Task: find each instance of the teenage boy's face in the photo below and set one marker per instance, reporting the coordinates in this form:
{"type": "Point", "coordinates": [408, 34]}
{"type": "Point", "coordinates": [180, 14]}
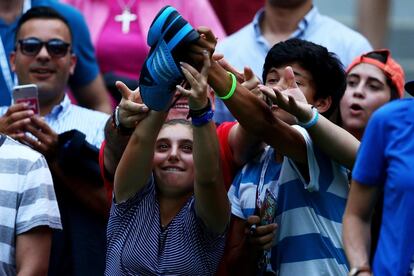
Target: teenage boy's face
{"type": "Point", "coordinates": [304, 80]}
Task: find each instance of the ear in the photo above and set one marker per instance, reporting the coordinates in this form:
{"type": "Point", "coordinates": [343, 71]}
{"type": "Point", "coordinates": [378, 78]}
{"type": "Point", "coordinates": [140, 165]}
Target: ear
{"type": "Point", "coordinates": [73, 60]}
{"type": "Point", "coordinates": [323, 104]}
{"type": "Point", "coordinates": [13, 61]}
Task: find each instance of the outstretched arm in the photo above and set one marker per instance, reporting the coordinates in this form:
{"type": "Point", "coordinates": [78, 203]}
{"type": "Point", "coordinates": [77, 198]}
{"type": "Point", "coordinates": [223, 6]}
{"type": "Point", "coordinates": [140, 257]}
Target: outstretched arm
{"type": "Point", "coordinates": [257, 118]}
{"type": "Point", "coordinates": [135, 166]}
{"type": "Point", "coordinates": [335, 141]}
{"type": "Point", "coordinates": [243, 144]}
{"type": "Point", "coordinates": [211, 200]}
{"type": "Point", "coordinates": [251, 112]}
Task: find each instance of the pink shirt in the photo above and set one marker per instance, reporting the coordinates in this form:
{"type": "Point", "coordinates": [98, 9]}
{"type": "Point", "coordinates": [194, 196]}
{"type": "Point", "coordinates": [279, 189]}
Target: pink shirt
{"type": "Point", "coordinates": [121, 53]}
{"type": "Point", "coordinates": [99, 16]}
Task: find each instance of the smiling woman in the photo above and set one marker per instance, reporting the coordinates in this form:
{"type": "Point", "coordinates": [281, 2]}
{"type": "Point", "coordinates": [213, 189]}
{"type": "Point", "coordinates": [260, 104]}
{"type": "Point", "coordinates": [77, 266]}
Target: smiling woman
{"type": "Point", "coordinates": [170, 209]}
{"type": "Point", "coordinates": [173, 158]}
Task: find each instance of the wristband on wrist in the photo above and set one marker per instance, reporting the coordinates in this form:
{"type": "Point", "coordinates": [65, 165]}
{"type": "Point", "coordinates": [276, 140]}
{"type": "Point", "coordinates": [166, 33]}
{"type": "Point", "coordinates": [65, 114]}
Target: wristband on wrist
{"type": "Point", "coordinates": [117, 124]}
{"type": "Point", "coordinates": [198, 112]}
{"type": "Point", "coordinates": [202, 120]}
{"type": "Point", "coordinates": [232, 89]}
{"type": "Point", "coordinates": [202, 116]}
{"type": "Point", "coordinates": [312, 121]}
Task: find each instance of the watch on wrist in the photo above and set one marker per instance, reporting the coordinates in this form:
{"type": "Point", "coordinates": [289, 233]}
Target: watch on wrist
{"type": "Point", "coordinates": [117, 124]}
{"type": "Point", "coordinates": [356, 270]}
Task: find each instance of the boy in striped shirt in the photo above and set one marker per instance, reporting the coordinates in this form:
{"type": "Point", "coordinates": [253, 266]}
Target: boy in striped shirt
{"type": "Point", "coordinates": [311, 189]}
{"type": "Point", "coordinates": [28, 210]}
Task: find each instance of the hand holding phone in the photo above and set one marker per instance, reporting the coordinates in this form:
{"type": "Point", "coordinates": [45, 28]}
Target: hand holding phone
{"type": "Point", "coordinates": [27, 94]}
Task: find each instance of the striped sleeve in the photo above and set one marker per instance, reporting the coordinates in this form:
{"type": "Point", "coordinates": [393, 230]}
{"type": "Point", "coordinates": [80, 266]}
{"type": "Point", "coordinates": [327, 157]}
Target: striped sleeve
{"type": "Point", "coordinates": [36, 200]}
{"type": "Point", "coordinates": [234, 197]}
{"type": "Point", "coordinates": [313, 184]}
{"type": "Point", "coordinates": [27, 197]}
{"type": "Point", "coordinates": [27, 187]}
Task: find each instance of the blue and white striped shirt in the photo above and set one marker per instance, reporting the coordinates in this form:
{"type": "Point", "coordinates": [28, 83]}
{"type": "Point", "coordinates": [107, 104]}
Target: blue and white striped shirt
{"type": "Point", "coordinates": [67, 116]}
{"type": "Point", "coordinates": [257, 175]}
{"type": "Point", "coordinates": [309, 214]}
{"type": "Point", "coordinates": [137, 244]}
{"type": "Point", "coordinates": [27, 198]}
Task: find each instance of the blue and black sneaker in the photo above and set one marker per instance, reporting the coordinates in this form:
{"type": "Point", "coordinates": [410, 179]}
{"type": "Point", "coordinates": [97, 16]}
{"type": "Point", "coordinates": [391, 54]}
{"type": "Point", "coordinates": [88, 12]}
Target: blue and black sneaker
{"type": "Point", "coordinates": [167, 36]}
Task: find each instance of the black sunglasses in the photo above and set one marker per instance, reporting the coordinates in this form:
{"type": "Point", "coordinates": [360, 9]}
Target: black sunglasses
{"type": "Point", "coordinates": [55, 47]}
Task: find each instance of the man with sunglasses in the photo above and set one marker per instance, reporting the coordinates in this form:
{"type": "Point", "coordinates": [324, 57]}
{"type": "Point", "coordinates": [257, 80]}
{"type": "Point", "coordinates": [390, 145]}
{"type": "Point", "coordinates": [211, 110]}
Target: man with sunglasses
{"type": "Point", "coordinates": [86, 83]}
{"type": "Point", "coordinates": [43, 56]}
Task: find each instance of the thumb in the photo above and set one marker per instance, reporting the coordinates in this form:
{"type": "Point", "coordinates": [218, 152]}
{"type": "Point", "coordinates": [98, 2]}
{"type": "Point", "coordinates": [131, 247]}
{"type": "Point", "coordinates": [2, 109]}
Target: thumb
{"type": "Point", "coordinates": [123, 89]}
{"type": "Point", "coordinates": [289, 77]}
{"type": "Point", "coordinates": [253, 220]}
{"type": "Point", "coordinates": [248, 73]}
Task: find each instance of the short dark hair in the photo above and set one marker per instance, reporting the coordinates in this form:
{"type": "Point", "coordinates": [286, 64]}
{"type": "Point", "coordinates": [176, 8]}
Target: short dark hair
{"type": "Point", "coordinates": [173, 122]}
{"type": "Point", "coordinates": [382, 57]}
{"type": "Point", "coordinates": [41, 12]}
{"type": "Point", "coordinates": [326, 70]}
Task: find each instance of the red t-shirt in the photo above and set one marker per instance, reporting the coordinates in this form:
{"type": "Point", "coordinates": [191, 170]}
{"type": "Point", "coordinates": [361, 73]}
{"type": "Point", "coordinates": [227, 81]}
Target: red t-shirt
{"type": "Point", "coordinates": [228, 167]}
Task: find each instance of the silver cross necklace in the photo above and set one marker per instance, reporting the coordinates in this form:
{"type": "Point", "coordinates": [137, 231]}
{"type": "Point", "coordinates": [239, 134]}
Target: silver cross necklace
{"type": "Point", "coordinates": [126, 17]}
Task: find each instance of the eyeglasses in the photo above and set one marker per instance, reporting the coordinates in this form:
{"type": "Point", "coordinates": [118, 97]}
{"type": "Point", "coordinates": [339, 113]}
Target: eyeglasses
{"type": "Point", "coordinates": [55, 47]}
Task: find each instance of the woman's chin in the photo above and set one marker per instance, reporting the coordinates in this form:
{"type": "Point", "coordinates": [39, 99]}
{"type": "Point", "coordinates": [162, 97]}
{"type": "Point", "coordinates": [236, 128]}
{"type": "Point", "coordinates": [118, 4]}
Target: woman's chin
{"type": "Point", "coordinates": [171, 187]}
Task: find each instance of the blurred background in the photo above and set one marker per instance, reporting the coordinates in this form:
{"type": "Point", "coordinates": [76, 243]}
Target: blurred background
{"type": "Point", "coordinates": [398, 36]}
{"type": "Point", "coordinates": [386, 23]}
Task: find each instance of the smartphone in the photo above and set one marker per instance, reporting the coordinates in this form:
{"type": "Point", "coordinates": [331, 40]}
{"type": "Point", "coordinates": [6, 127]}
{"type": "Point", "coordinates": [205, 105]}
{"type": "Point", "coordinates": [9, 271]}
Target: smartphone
{"type": "Point", "coordinates": [27, 94]}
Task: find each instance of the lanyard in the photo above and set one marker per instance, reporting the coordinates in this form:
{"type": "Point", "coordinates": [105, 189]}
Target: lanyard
{"type": "Point", "coordinates": [8, 76]}
{"type": "Point", "coordinates": [273, 186]}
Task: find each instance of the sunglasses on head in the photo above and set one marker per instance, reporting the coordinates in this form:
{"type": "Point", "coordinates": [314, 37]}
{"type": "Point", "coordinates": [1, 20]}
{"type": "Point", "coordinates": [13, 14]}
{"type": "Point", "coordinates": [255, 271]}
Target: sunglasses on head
{"type": "Point", "coordinates": [55, 47]}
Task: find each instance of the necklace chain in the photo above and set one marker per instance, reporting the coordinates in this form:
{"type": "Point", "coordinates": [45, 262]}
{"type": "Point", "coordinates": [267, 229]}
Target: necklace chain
{"type": "Point", "coordinates": [124, 5]}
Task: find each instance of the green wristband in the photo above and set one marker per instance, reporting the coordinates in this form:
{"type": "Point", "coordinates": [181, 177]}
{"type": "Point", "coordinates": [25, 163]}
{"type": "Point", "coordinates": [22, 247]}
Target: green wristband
{"type": "Point", "coordinates": [232, 89]}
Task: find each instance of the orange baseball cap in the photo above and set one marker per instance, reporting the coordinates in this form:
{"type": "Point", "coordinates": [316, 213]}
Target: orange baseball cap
{"type": "Point", "coordinates": [391, 68]}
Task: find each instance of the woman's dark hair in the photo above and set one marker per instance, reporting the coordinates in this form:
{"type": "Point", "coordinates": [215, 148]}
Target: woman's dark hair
{"type": "Point", "coordinates": [173, 122]}
{"type": "Point", "coordinates": [325, 68]}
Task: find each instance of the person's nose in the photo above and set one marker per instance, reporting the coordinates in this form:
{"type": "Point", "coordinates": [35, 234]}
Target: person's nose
{"type": "Point", "coordinates": [174, 154]}
{"type": "Point", "coordinates": [43, 54]}
{"type": "Point", "coordinates": [358, 91]}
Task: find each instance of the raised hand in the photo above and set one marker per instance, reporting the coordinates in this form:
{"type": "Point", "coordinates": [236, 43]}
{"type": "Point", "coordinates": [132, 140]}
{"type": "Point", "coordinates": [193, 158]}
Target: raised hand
{"type": "Point", "coordinates": [251, 82]}
{"type": "Point", "coordinates": [207, 42]}
{"type": "Point", "coordinates": [197, 96]}
{"type": "Point", "coordinates": [247, 79]}
{"type": "Point", "coordinates": [131, 109]}
{"type": "Point", "coordinates": [14, 121]}
{"type": "Point", "coordinates": [288, 96]}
